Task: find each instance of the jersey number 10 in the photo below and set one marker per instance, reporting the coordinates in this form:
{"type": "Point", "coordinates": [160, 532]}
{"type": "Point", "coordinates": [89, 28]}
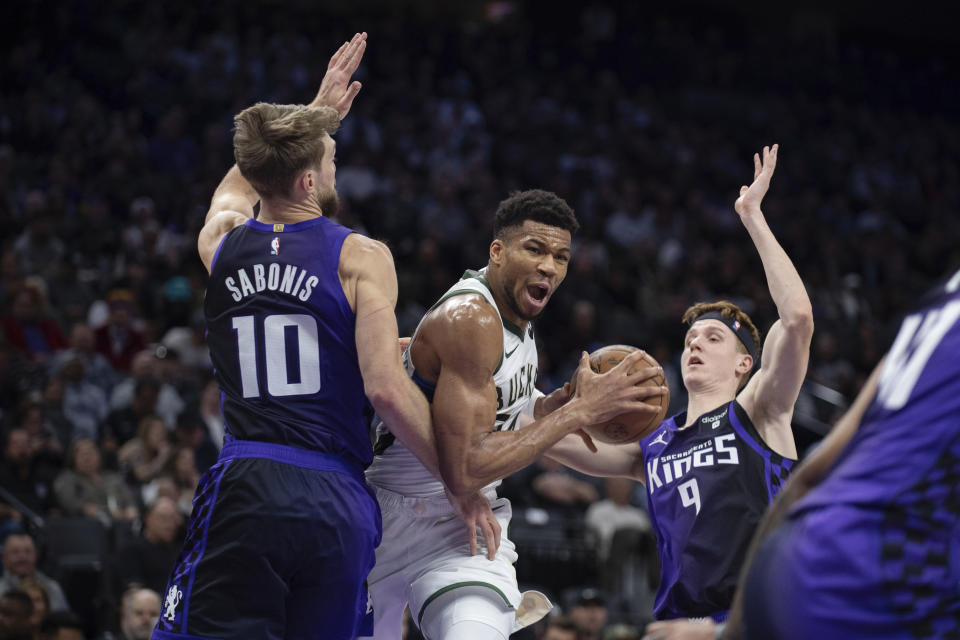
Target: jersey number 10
{"type": "Point", "coordinates": [918, 338]}
{"type": "Point", "coordinates": [276, 331]}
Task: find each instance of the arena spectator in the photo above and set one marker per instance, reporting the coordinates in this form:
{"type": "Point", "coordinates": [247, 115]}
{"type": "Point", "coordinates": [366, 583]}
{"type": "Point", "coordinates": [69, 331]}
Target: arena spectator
{"type": "Point", "coordinates": [20, 564]}
{"type": "Point", "coordinates": [146, 560]}
{"type": "Point", "coordinates": [84, 489]}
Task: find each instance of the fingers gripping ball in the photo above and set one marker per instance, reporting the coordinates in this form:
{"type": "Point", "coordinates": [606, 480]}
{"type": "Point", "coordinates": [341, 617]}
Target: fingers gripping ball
{"type": "Point", "coordinates": [632, 426]}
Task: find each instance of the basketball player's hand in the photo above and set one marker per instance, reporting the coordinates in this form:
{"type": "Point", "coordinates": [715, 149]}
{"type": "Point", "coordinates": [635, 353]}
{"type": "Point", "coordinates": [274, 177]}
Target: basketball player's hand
{"type": "Point", "coordinates": [619, 390]}
{"type": "Point", "coordinates": [336, 89]}
{"type": "Point", "coordinates": [587, 440]}
{"type": "Point", "coordinates": [751, 197]}
{"type": "Point", "coordinates": [680, 630]}
{"type": "Point", "coordinates": [475, 512]}
{"type": "Point", "coordinates": [553, 401]}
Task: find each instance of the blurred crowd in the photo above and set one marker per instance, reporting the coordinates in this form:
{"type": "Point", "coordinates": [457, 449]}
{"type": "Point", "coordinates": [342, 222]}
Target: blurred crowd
{"type": "Point", "coordinates": [115, 128]}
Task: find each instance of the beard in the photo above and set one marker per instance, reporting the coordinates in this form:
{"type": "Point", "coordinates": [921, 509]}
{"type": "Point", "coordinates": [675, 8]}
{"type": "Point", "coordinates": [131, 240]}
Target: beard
{"type": "Point", "coordinates": [515, 306]}
{"type": "Point", "coordinates": [328, 201]}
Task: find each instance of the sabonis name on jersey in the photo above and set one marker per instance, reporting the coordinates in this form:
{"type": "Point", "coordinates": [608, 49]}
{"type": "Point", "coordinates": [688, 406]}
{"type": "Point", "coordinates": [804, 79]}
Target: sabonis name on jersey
{"type": "Point", "coordinates": [287, 279]}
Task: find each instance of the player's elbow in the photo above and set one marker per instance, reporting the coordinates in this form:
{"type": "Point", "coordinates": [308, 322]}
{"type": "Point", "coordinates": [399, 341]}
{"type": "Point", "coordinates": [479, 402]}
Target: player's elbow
{"type": "Point", "coordinates": [385, 397]}
{"type": "Point", "coordinates": [799, 319]}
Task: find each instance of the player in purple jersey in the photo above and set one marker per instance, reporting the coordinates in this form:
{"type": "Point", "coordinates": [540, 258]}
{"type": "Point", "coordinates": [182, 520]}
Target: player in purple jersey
{"type": "Point", "coordinates": [711, 471]}
{"type": "Point", "coordinates": [301, 326]}
{"type": "Point", "coordinates": [864, 540]}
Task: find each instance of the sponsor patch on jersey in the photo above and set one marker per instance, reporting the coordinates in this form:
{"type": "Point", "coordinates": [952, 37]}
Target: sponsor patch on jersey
{"type": "Point", "coordinates": [714, 417]}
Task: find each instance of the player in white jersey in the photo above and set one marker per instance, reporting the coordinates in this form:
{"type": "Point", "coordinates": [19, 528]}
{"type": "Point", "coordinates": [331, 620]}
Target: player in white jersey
{"type": "Point", "coordinates": [474, 357]}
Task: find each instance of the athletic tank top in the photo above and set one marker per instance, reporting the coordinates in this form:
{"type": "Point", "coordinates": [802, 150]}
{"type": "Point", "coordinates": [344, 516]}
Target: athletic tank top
{"type": "Point", "coordinates": [901, 470]}
{"type": "Point", "coordinates": [707, 488]}
{"type": "Point", "coordinates": [394, 467]}
{"type": "Point", "coordinates": [281, 337]}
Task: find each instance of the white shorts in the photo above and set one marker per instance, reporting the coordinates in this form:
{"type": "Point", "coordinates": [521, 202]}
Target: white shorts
{"type": "Point", "coordinates": [425, 554]}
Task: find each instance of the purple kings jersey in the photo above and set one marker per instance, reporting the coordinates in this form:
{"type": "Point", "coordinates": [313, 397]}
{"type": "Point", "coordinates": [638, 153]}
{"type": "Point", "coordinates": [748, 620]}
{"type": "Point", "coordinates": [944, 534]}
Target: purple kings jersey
{"type": "Point", "coordinates": [886, 519]}
{"type": "Point", "coordinates": [281, 337]}
{"type": "Point", "coordinates": [707, 488]}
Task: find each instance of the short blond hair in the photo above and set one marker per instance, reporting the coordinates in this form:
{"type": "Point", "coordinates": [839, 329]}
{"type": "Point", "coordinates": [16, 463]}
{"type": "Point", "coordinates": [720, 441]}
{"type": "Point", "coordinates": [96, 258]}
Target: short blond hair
{"type": "Point", "coordinates": [273, 143]}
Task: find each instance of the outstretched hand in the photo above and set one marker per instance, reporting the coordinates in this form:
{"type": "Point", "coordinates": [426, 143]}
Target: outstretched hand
{"type": "Point", "coordinates": [336, 89]}
{"type": "Point", "coordinates": [751, 197]}
{"type": "Point", "coordinates": [475, 512]}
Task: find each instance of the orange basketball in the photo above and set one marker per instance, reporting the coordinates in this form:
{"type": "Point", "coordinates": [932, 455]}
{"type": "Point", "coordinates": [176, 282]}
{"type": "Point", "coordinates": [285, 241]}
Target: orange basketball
{"type": "Point", "coordinates": [628, 427]}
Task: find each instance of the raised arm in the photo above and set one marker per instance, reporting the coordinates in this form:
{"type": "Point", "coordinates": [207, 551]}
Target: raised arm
{"type": "Point", "coordinates": [234, 198]}
{"type": "Point", "coordinates": [466, 335]}
{"type": "Point", "coordinates": [770, 396]}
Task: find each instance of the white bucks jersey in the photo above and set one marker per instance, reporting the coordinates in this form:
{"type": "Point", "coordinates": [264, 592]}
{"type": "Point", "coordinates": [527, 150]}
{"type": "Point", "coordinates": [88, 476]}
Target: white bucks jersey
{"type": "Point", "coordinates": [394, 467]}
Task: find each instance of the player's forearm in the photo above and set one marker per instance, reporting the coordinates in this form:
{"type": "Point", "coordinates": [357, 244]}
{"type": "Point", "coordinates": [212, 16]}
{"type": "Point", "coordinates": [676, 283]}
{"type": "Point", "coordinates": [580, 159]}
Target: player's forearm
{"type": "Point", "coordinates": [473, 464]}
{"type": "Point", "coordinates": [609, 460]}
{"type": "Point", "coordinates": [403, 407]}
{"type": "Point", "coordinates": [783, 280]}
{"type": "Point", "coordinates": [234, 193]}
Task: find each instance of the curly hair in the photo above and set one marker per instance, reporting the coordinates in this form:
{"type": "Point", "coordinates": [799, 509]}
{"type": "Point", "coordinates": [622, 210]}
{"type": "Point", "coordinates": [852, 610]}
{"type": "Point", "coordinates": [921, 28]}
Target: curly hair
{"type": "Point", "coordinates": [537, 205]}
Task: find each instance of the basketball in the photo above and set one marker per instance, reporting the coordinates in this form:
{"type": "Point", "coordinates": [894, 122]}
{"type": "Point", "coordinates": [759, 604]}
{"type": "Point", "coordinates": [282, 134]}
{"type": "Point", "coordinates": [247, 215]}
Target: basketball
{"type": "Point", "coordinates": [627, 427]}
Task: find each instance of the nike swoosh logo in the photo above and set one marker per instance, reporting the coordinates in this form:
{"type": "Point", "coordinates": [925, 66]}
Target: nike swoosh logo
{"type": "Point", "coordinates": [510, 353]}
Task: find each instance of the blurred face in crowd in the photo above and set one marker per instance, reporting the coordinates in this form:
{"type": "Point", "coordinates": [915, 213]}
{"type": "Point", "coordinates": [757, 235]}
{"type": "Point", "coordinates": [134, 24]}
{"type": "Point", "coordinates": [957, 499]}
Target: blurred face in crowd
{"type": "Point", "coordinates": [121, 313]}
{"type": "Point", "coordinates": [53, 392]}
{"type": "Point", "coordinates": [145, 398]}
{"type": "Point", "coordinates": [81, 338]}
{"type": "Point", "coordinates": [185, 464]}
{"type": "Point", "coordinates": [33, 420]}
{"type": "Point", "coordinates": [17, 451]}
{"type": "Point", "coordinates": [140, 613]}
{"type": "Point", "coordinates": [86, 458]}
{"type": "Point", "coordinates": [155, 433]}
{"type": "Point", "coordinates": [589, 617]}
{"type": "Point", "coordinates": [19, 556]}
{"type": "Point", "coordinates": [167, 487]}
{"type": "Point", "coordinates": [144, 365]}
{"type": "Point", "coordinates": [14, 618]}
{"type": "Point", "coordinates": [25, 304]}
{"type": "Point", "coordinates": [162, 522]}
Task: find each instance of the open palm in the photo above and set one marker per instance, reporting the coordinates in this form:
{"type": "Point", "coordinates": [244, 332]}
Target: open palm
{"type": "Point", "coordinates": [751, 197]}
